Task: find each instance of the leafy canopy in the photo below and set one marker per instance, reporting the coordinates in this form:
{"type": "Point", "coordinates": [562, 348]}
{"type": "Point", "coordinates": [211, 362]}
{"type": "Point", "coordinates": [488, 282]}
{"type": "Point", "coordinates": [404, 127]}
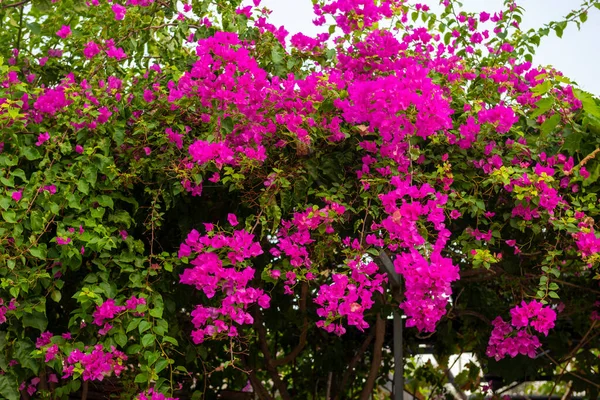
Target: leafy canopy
{"type": "Point", "coordinates": [195, 203]}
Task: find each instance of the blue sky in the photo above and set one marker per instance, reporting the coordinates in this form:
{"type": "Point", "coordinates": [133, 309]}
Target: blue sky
{"type": "Point", "coordinates": [577, 54]}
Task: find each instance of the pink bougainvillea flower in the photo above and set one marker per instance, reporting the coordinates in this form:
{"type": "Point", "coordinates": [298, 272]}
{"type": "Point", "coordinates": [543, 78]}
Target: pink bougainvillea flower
{"type": "Point", "coordinates": [43, 340]}
{"type": "Point", "coordinates": [116, 53]}
{"type": "Point", "coordinates": [133, 302]}
{"type": "Point", "coordinates": [18, 195]}
{"type": "Point", "coordinates": [232, 219]}
{"type": "Point", "coordinates": [119, 11]}
{"type": "Point", "coordinates": [91, 50]}
{"type": "Point", "coordinates": [79, 149]}
{"type": "Point", "coordinates": [215, 177]}
{"type": "Point", "coordinates": [64, 31]}
{"type": "Point", "coordinates": [51, 353]}
{"type": "Point", "coordinates": [123, 234]}
{"type": "Point", "coordinates": [63, 241]}
{"type": "Point", "coordinates": [49, 188]}
{"type": "Point", "coordinates": [106, 310]}
{"type": "Point", "coordinates": [148, 96]}
{"type": "Point", "coordinates": [43, 137]}
{"type": "Point", "coordinates": [584, 173]}
{"type": "Point", "coordinates": [105, 329]}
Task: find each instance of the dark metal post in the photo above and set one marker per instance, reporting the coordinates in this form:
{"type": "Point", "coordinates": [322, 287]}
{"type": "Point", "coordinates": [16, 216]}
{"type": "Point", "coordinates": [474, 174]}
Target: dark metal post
{"type": "Point", "coordinates": [398, 358]}
{"type": "Point", "coordinates": [396, 281]}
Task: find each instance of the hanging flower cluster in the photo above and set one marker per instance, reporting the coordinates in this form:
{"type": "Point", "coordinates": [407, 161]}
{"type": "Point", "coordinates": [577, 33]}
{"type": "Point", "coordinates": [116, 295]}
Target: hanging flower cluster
{"type": "Point", "coordinates": [517, 339]}
{"type": "Point", "coordinates": [224, 279]}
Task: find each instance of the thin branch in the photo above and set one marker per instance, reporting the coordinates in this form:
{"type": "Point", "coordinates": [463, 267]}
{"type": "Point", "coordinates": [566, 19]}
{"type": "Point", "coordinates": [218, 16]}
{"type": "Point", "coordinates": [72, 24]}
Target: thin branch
{"type": "Point", "coordinates": [302, 342]}
{"type": "Point", "coordinates": [20, 34]}
{"type": "Point", "coordinates": [264, 347]}
{"type": "Point", "coordinates": [581, 342]}
{"type": "Point", "coordinates": [575, 286]}
{"type": "Point", "coordinates": [376, 361]}
{"type": "Point", "coordinates": [84, 391]}
{"type": "Point", "coordinates": [357, 357]}
{"type": "Point", "coordinates": [328, 392]}
{"type": "Point", "coordinates": [257, 385]}
{"type": "Point", "coordinates": [20, 3]}
{"type": "Point", "coordinates": [472, 313]}
{"type": "Point", "coordinates": [168, 24]}
{"type": "Point", "coordinates": [573, 373]}
{"type": "Point", "coordinates": [584, 161]}
{"type": "Point", "coordinates": [450, 376]}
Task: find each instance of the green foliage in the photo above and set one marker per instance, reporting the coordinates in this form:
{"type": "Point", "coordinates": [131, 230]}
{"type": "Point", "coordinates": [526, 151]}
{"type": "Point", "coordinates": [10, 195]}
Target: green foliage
{"type": "Point", "coordinates": [125, 213]}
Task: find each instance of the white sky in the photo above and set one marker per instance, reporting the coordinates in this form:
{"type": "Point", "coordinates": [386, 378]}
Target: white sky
{"type": "Point", "coordinates": [577, 54]}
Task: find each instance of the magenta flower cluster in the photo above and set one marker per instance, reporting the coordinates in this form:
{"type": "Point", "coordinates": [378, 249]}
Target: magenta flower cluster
{"type": "Point", "coordinates": [109, 310]}
{"type": "Point", "coordinates": [227, 285]}
{"type": "Point", "coordinates": [515, 338]}
{"type": "Point", "coordinates": [349, 296]}
{"type": "Point", "coordinates": [96, 363]}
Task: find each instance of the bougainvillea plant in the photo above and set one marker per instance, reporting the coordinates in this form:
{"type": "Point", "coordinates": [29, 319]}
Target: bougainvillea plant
{"type": "Point", "coordinates": [195, 203]}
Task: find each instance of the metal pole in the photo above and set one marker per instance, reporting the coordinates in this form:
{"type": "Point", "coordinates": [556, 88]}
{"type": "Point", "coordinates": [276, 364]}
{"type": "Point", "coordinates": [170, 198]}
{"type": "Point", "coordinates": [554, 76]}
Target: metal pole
{"type": "Point", "coordinates": [396, 282]}
{"type": "Point", "coordinates": [398, 358]}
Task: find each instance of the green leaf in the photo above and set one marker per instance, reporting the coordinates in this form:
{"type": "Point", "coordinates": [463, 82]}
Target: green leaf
{"type": "Point", "coordinates": [171, 340]}
{"type": "Point", "coordinates": [5, 202]}
{"type": "Point", "coordinates": [542, 106]}
{"type": "Point", "coordinates": [447, 38]}
{"type": "Point", "coordinates": [572, 142]}
{"type": "Point", "coordinates": [56, 295]}
{"type": "Point", "coordinates": [91, 173]}
{"type": "Point", "coordinates": [121, 339]}
{"type": "Point", "coordinates": [549, 124]}
{"type": "Point", "coordinates": [542, 88]}
{"type": "Point", "coordinates": [560, 28]}
{"type": "Point", "coordinates": [160, 365]}
{"type": "Point", "coordinates": [39, 251]}
{"type": "Point", "coordinates": [83, 186]}
{"type": "Point", "coordinates": [276, 54]}
{"type": "Point", "coordinates": [10, 216]}
{"type": "Point", "coordinates": [35, 28]}
{"type": "Point", "coordinates": [3, 363]}
{"type": "Point", "coordinates": [141, 378]}
{"type": "Point", "coordinates": [22, 354]}
{"type": "Point", "coordinates": [37, 221]}
{"type": "Point", "coordinates": [9, 387]}
{"type": "Point", "coordinates": [144, 326]}
{"type": "Point", "coordinates": [134, 349]}
{"type": "Point", "coordinates": [35, 320]}
{"type": "Point", "coordinates": [31, 153]}
{"type": "Point", "coordinates": [119, 135]}
{"type": "Point", "coordinates": [156, 312]}
{"type": "Point", "coordinates": [133, 324]}
{"type": "Point", "coordinates": [105, 201]}
{"type": "Point", "coordinates": [148, 339]}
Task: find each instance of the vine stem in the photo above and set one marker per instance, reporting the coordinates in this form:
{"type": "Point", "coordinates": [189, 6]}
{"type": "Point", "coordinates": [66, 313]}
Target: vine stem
{"type": "Point", "coordinates": [568, 361]}
{"type": "Point", "coordinates": [17, 4]}
{"type": "Point", "coordinates": [376, 361]}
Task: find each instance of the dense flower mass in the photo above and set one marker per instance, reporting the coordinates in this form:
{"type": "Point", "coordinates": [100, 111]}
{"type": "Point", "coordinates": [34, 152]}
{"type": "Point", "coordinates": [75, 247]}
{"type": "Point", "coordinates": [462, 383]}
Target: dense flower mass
{"type": "Point", "coordinates": [192, 169]}
{"type": "Point", "coordinates": [506, 340]}
{"type": "Point", "coordinates": [95, 364]}
{"type": "Point", "coordinates": [210, 275]}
